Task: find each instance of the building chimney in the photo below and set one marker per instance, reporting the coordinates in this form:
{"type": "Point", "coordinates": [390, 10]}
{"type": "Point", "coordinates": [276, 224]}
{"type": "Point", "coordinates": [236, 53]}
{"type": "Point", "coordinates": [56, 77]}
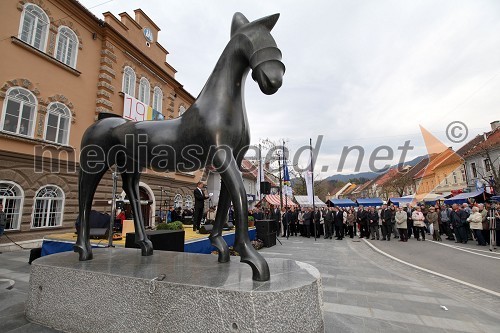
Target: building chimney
{"type": "Point", "coordinates": [495, 124]}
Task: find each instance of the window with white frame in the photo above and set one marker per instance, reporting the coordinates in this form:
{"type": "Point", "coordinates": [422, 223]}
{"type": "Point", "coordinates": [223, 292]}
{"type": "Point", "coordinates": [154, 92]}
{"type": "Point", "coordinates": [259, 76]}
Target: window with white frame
{"type": "Point", "coordinates": [182, 109]}
{"type": "Point", "coordinates": [19, 110]}
{"type": "Point", "coordinates": [48, 207]}
{"type": "Point", "coordinates": [177, 201]}
{"type": "Point", "coordinates": [11, 197]}
{"type": "Point", "coordinates": [67, 46]}
{"type": "Point", "coordinates": [188, 201]}
{"type": "Point", "coordinates": [34, 26]}
{"type": "Point", "coordinates": [144, 89]}
{"type": "Point", "coordinates": [128, 84]}
{"type": "Point", "coordinates": [455, 180]}
{"type": "Point", "coordinates": [157, 99]}
{"type": "Point", "coordinates": [57, 123]}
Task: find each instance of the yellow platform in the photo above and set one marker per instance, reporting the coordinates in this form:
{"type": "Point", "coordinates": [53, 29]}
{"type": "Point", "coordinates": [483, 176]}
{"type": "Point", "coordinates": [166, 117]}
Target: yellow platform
{"type": "Point", "coordinates": [190, 235]}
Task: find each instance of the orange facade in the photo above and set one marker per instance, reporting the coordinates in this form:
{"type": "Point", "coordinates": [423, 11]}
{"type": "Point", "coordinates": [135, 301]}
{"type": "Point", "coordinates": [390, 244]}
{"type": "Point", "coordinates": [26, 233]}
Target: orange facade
{"type": "Point", "coordinates": [61, 67]}
{"type": "Point", "coordinates": [443, 174]}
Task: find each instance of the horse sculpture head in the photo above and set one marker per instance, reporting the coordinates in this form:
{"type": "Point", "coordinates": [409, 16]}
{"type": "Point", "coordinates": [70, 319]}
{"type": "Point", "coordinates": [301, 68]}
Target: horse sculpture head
{"type": "Point", "coordinates": [261, 51]}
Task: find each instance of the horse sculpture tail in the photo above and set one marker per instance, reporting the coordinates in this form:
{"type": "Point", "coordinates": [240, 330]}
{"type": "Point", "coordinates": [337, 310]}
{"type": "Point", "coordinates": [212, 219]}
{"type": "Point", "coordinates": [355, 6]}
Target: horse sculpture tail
{"type": "Point", "coordinates": [96, 146]}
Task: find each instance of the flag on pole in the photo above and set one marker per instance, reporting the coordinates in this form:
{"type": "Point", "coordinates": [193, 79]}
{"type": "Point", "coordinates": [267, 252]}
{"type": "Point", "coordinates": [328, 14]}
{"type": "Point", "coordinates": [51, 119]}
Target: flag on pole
{"type": "Point", "coordinates": [287, 186]}
{"type": "Point", "coordinates": [309, 177]}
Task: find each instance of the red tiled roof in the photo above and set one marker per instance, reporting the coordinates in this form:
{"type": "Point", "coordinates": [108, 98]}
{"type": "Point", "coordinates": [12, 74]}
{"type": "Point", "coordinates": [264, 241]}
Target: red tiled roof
{"type": "Point", "coordinates": [386, 177]}
{"type": "Point", "coordinates": [363, 186]}
{"type": "Point", "coordinates": [492, 140]}
{"type": "Point", "coordinates": [418, 167]}
{"type": "Point", "coordinates": [436, 160]}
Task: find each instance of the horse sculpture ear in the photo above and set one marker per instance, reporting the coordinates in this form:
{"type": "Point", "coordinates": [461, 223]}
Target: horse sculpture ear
{"type": "Point", "coordinates": [268, 21]}
{"type": "Point", "coordinates": [239, 20]}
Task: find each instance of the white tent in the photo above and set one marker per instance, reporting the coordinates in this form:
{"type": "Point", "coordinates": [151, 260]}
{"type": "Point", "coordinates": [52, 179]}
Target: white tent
{"type": "Point", "coordinates": [303, 201]}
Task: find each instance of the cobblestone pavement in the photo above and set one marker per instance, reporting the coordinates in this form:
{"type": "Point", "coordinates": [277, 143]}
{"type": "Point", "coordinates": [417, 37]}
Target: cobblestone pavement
{"type": "Point", "coordinates": [363, 291]}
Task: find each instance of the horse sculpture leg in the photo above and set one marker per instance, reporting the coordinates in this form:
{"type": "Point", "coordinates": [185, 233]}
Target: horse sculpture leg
{"type": "Point", "coordinates": [131, 187]}
{"type": "Point", "coordinates": [87, 185]}
{"type": "Point", "coordinates": [216, 235]}
{"type": "Point", "coordinates": [231, 176]}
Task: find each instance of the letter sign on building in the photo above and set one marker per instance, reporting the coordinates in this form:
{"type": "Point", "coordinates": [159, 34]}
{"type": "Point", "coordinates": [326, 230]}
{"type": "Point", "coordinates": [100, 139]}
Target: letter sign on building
{"type": "Point", "coordinates": [148, 34]}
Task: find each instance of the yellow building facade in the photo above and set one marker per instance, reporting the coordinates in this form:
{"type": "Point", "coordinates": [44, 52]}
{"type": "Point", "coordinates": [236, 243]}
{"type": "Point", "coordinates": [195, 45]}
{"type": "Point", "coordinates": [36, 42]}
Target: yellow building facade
{"type": "Point", "coordinates": [444, 174]}
{"type": "Point", "coordinates": [62, 67]}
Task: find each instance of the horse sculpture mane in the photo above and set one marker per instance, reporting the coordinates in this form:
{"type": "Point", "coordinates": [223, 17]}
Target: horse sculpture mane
{"type": "Point", "coordinates": [214, 132]}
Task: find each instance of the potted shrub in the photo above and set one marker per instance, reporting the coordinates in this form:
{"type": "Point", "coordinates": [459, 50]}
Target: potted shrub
{"type": "Point", "coordinates": [251, 221]}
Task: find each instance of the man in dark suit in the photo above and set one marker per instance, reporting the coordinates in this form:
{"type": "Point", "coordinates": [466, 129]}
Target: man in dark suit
{"type": "Point", "coordinates": [338, 218]}
{"type": "Point", "coordinates": [276, 216]}
{"type": "Point", "coordinates": [362, 217]}
{"type": "Point", "coordinates": [199, 203]}
{"type": "Point", "coordinates": [287, 221]}
{"type": "Point", "coordinates": [308, 220]}
{"type": "Point", "coordinates": [329, 223]}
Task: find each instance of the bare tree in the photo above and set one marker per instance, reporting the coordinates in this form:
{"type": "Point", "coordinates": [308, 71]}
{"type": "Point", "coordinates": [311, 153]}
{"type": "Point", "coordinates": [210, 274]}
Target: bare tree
{"type": "Point", "coordinates": [487, 151]}
{"type": "Point", "coordinates": [399, 183]}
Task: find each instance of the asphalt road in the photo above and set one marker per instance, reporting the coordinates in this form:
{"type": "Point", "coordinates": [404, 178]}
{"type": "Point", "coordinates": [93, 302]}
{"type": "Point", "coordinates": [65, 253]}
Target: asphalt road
{"type": "Point", "coordinates": [363, 290]}
{"type": "Point", "coordinates": [466, 262]}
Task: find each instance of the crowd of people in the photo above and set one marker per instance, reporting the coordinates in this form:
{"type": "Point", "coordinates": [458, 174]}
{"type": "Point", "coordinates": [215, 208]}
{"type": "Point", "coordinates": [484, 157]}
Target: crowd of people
{"type": "Point", "coordinates": [461, 223]}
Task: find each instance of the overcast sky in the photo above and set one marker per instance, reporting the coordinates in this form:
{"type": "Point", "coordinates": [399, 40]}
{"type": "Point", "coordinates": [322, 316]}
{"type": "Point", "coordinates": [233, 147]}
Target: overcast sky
{"type": "Point", "coordinates": [360, 72]}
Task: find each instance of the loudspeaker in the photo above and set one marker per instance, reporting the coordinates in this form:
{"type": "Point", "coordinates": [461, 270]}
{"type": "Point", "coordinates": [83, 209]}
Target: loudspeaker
{"type": "Point", "coordinates": [164, 240]}
{"type": "Point", "coordinates": [265, 226]}
{"type": "Point", "coordinates": [265, 187]}
{"type": "Point", "coordinates": [206, 229]}
{"type": "Point", "coordinates": [99, 233]}
{"type": "Point", "coordinates": [268, 239]}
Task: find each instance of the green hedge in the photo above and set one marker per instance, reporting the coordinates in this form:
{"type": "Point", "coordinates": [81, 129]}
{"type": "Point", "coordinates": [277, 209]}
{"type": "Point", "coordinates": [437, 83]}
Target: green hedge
{"type": "Point", "coordinates": [177, 225]}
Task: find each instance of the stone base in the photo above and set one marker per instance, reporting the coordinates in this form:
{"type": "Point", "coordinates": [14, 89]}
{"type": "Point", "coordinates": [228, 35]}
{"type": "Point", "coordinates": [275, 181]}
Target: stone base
{"type": "Point", "coordinates": [114, 292]}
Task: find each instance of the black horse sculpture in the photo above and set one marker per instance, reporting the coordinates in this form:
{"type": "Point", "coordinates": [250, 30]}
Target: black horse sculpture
{"type": "Point", "coordinates": [213, 131]}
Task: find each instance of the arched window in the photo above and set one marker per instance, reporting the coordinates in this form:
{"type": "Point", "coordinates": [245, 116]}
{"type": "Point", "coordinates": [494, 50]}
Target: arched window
{"type": "Point", "coordinates": [19, 110]}
{"type": "Point", "coordinates": [128, 84]}
{"type": "Point", "coordinates": [182, 109]}
{"type": "Point", "coordinates": [177, 201]}
{"type": "Point", "coordinates": [57, 123]}
{"type": "Point", "coordinates": [67, 46]}
{"type": "Point", "coordinates": [48, 208]}
{"type": "Point", "coordinates": [144, 88]}
{"type": "Point", "coordinates": [157, 99]}
{"type": "Point", "coordinates": [11, 197]}
{"type": "Point", "coordinates": [188, 200]}
{"type": "Point", "coordinates": [34, 26]}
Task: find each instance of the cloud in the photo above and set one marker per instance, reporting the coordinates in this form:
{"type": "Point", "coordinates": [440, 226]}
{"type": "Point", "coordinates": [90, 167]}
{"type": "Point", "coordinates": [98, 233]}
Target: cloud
{"type": "Point", "coordinates": [358, 72]}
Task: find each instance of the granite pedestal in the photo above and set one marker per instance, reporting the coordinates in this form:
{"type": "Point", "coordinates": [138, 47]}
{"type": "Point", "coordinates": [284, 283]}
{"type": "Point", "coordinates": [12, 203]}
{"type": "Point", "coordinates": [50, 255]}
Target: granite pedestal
{"type": "Point", "coordinates": [117, 292]}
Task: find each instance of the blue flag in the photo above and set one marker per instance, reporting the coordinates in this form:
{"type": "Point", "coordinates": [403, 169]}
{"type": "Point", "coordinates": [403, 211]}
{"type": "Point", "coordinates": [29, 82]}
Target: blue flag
{"type": "Point", "coordinates": [287, 188]}
{"type": "Point", "coordinates": [286, 176]}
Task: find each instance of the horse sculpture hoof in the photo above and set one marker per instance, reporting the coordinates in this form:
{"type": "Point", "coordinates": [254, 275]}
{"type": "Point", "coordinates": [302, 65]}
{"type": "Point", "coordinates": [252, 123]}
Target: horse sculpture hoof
{"type": "Point", "coordinates": [221, 245]}
{"type": "Point", "coordinates": [146, 247]}
{"type": "Point", "coordinates": [260, 269]}
{"type": "Point", "coordinates": [85, 253]}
